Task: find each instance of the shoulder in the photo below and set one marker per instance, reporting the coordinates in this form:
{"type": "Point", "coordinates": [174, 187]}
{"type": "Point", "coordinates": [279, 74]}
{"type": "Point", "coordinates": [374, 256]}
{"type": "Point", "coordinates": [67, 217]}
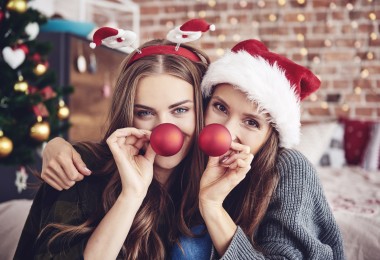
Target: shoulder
{"type": "Point", "coordinates": [297, 175]}
{"type": "Point", "coordinates": [292, 163]}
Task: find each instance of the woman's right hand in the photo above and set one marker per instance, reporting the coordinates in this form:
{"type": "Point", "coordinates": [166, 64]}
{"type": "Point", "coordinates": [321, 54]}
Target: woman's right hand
{"type": "Point", "coordinates": [136, 170]}
{"type": "Point", "coordinates": [62, 165]}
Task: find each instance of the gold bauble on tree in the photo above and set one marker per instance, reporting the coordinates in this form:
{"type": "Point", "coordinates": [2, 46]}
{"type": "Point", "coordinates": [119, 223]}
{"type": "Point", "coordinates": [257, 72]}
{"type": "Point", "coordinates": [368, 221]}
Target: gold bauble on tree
{"type": "Point", "coordinates": [21, 85]}
{"type": "Point", "coordinates": [19, 6]}
{"type": "Point", "coordinates": [63, 111]}
{"type": "Point", "coordinates": [6, 145]}
{"type": "Point", "coordinates": [40, 131]}
{"type": "Point", "coordinates": [40, 69]}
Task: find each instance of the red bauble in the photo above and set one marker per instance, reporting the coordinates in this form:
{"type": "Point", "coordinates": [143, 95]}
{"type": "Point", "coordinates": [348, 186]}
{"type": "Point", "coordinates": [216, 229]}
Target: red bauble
{"type": "Point", "coordinates": [166, 139]}
{"type": "Point", "coordinates": [215, 140]}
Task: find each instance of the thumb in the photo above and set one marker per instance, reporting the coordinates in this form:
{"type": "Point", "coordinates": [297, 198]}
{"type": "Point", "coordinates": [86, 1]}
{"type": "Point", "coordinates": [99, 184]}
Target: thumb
{"type": "Point", "coordinates": [150, 154]}
{"type": "Point", "coordinates": [212, 161]}
{"type": "Point", "coordinates": [79, 164]}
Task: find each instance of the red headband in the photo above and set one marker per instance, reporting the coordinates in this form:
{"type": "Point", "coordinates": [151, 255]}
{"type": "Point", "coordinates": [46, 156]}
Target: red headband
{"type": "Point", "coordinates": [164, 49]}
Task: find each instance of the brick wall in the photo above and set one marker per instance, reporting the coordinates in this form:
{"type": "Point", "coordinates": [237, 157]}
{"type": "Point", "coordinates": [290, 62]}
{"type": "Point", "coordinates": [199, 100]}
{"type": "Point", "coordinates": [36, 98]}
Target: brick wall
{"type": "Point", "coordinates": [339, 40]}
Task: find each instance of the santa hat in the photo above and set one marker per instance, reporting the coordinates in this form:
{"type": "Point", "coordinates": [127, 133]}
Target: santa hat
{"type": "Point", "coordinates": [189, 31]}
{"type": "Point", "coordinates": [274, 82]}
{"type": "Point", "coordinates": [113, 38]}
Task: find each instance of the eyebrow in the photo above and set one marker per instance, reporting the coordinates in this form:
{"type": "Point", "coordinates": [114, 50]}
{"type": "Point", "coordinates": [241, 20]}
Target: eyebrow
{"type": "Point", "coordinates": [221, 100]}
{"type": "Point", "coordinates": [171, 106]}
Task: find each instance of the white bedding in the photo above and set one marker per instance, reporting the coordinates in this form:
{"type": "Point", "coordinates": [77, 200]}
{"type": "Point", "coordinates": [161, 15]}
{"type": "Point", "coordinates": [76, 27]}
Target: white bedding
{"type": "Point", "coordinates": [13, 214]}
{"type": "Point", "coordinates": [354, 196]}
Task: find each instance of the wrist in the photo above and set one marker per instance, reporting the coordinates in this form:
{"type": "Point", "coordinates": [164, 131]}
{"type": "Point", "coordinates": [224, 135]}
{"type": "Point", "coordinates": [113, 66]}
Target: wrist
{"type": "Point", "coordinates": [130, 200]}
{"type": "Point", "coordinates": [210, 209]}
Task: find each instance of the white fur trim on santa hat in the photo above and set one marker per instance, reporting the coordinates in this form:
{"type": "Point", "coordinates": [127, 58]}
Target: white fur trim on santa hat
{"type": "Point", "coordinates": [264, 84]}
{"type": "Point", "coordinates": [176, 35]}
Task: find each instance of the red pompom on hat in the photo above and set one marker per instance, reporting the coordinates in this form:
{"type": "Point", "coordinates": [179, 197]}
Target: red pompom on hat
{"type": "Point", "coordinates": [274, 82]}
{"type": "Point", "coordinates": [195, 25]}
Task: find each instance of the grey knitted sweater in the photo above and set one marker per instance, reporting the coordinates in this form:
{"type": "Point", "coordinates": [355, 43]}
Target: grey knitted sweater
{"type": "Point", "coordinates": [298, 224]}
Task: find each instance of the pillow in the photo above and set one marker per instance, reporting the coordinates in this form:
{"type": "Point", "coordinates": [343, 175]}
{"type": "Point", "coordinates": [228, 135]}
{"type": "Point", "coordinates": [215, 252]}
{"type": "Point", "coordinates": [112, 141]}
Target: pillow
{"type": "Point", "coordinates": [356, 137]}
{"type": "Point", "coordinates": [371, 155]}
{"type": "Point", "coordinates": [334, 155]}
{"type": "Point", "coordinates": [315, 138]}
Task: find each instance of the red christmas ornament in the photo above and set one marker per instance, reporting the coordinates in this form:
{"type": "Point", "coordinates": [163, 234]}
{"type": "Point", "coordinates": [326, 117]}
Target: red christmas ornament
{"type": "Point", "coordinates": [166, 139]}
{"type": "Point", "coordinates": [1, 16]}
{"type": "Point", "coordinates": [214, 140]}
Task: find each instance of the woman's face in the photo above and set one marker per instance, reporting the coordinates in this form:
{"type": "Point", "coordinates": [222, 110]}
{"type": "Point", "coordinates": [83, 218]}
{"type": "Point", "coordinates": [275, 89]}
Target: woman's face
{"type": "Point", "coordinates": [230, 107]}
{"type": "Point", "coordinates": [166, 99]}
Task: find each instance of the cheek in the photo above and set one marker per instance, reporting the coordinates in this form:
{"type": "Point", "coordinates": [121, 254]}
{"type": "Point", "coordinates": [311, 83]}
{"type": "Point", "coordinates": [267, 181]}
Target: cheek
{"type": "Point", "coordinates": [141, 124]}
{"type": "Point", "coordinates": [255, 140]}
{"type": "Point", "coordinates": [211, 117]}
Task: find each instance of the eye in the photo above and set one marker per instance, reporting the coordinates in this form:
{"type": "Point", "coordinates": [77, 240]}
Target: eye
{"type": "Point", "coordinates": [180, 110]}
{"type": "Point", "coordinates": [220, 107]}
{"type": "Point", "coordinates": [143, 113]}
{"type": "Point", "coordinates": [252, 123]}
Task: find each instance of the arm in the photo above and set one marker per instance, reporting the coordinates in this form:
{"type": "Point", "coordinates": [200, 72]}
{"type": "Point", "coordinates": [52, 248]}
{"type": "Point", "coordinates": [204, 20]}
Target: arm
{"type": "Point", "coordinates": [298, 223]}
{"type": "Point", "coordinates": [62, 165]}
{"type": "Point", "coordinates": [218, 180]}
{"type": "Point", "coordinates": [136, 174]}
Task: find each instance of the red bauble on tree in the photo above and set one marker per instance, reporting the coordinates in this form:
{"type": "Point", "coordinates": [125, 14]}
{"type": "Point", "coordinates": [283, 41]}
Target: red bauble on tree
{"type": "Point", "coordinates": [215, 140]}
{"type": "Point", "coordinates": [166, 139]}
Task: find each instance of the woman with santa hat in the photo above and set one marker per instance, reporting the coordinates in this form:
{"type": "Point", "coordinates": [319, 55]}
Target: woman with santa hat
{"type": "Point", "coordinates": [139, 198]}
{"type": "Point", "coordinates": [262, 199]}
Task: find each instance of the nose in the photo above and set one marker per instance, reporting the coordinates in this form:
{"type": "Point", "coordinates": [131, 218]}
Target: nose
{"type": "Point", "coordinates": [232, 127]}
{"type": "Point", "coordinates": [164, 118]}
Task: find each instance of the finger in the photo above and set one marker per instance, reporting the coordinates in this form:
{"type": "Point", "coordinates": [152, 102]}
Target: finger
{"type": "Point", "coordinates": [212, 161]}
{"type": "Point", "coordinates": [52, 183]}
{"type": "Point", "coordinates": [150, 154]}
{"type": "Point", "coordinates": [59, 175]}
{"type": "Point", "coordinates": [79, 164]}
{"type": "Point", "coordinates": [241, 148]}
{"type": "Point", "coordinates": [65, 167]}
{"type": "Point", "coordinates": [234, 157]}
{"type": "Point", "coordinates": [124, 132]}
{"type": "Point", "coordinates": [52, 176]}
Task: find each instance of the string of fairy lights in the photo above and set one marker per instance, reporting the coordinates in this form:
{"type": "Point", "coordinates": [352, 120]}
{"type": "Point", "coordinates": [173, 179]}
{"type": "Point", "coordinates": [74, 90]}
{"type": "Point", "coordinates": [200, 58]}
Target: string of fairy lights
{"type": "Point", "coordinates": [364, 41]}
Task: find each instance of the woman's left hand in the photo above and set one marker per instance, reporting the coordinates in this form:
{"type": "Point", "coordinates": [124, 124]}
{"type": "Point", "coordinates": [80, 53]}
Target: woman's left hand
{"type": "Point", "coordinates": [224, 173]}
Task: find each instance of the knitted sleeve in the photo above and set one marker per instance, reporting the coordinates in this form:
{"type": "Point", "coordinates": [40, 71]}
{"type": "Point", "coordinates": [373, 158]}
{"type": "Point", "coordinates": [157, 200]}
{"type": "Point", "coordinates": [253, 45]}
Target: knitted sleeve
{"type": "Point", "coordinates": [298, 224]}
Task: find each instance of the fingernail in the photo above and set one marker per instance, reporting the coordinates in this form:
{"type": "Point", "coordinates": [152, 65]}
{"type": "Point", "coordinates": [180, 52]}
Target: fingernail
{"type": "Point", "coordinates": [224, 159]}
{"type": "Point", "coordinates": [87, 170]}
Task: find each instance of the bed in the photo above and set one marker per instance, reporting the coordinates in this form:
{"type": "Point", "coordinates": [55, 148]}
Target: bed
{"type": "Point", "coordinates": [354, 196]}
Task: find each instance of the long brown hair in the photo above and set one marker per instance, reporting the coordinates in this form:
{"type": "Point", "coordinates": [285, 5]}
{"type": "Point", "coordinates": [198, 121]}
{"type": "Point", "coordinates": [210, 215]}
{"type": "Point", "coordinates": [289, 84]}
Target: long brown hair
{"type": "Point", "coordinates": [165, 213]}
{"type": "Point", "coordinates": [248, 202]}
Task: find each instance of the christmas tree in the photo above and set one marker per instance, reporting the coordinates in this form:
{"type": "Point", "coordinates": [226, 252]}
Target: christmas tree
{"type": "Point", "coordinates": [32, 107]}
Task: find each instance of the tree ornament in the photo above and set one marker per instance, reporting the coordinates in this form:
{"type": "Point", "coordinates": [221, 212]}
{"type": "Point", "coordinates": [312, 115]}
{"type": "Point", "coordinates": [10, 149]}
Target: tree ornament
{"type": "Point", "coordinates": [19, 6]}
{"type": "Point", "coordinates": [113, 38]}
{"type": "Point", "coordinates": [6, 145]}
{"type": "Point", "coordinates": [166, 139]}
{"type": "Point", "coordinates": [32, 30]}
{"type": "Point", "coordinates": [21, 85]}
{"type": "Point", "coordinates": [1, 16]}
{"type": "Point", "coordinates": [40, 68]}
{"type": "Point", "coordinates": [214, 140]}
{"type": "Point", "coordinates": [63, 111]}
{"type": "Point", "coordinates": [40, 131]}
{"type": "Point", "coordinates": [14, 58]}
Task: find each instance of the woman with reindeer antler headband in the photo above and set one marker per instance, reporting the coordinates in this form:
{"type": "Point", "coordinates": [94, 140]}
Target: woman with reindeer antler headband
{"type": "Point", "coordinates": [136, 203]}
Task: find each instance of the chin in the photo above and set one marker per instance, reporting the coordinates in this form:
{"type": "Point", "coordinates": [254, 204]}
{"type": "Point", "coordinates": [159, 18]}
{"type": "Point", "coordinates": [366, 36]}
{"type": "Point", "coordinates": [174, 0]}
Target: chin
{"type": "Point", "coordinates": [169, 163]}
